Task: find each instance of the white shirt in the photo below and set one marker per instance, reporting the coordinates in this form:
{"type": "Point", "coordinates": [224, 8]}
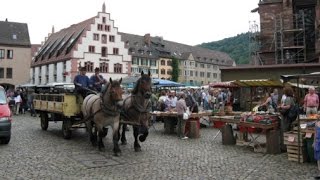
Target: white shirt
{"type": "Point", "coordinates": [17, 99]}
{"type": "Point", "coordinates": [283, 98]}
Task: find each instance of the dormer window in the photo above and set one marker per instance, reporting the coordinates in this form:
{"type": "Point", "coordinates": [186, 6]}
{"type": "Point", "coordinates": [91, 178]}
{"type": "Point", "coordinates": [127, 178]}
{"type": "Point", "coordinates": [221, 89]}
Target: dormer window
{"type": "Point", "coordinates": [136, 43]}
{"type": "Point", "coordinates": [14, 36]}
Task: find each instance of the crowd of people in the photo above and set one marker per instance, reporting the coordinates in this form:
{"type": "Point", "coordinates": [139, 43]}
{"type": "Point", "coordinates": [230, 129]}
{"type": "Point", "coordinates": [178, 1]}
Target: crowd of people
{"type": "Point", "coordinates": [21, 100]}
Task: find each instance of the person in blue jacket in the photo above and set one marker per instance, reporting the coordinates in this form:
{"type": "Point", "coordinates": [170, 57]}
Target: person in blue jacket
{"type": "Point", "coordinates": [82, 82]}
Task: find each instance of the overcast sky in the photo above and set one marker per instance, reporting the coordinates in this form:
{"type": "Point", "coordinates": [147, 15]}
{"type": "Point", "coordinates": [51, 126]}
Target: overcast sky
{"type": "Point", "coordinates": [185, 21]}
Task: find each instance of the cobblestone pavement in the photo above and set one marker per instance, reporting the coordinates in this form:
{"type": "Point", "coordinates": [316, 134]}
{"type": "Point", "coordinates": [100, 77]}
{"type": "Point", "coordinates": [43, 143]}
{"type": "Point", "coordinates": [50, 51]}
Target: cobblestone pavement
{"type": "Point", "coordinates": [36, 154]}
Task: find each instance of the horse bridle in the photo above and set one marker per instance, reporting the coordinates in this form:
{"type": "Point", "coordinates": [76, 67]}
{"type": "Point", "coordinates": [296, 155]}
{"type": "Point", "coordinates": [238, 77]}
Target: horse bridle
{"type": "Point", "coordinates": [106, 109]}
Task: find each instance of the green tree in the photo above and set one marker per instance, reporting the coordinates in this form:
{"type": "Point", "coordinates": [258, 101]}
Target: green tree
{"type": "Point", "coordinates": [175, 69]}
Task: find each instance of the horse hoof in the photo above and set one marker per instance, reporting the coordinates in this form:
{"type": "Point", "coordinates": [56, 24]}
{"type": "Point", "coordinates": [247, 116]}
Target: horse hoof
{"type": "Point", "coordinates": [137, 149]}
{"type": "Point", "coordinates": [124, 143]}
{"type": "Point", "coordinates": [101, 149]}
{"type": "Point", "coordinates": [117, 154]}
{"type": "Point", "coordinates": [142, 138]}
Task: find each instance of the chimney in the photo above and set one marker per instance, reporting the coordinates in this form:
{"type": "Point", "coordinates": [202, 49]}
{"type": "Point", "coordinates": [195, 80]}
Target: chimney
{"type": "Point", "coordinates": [6, 19]}
{"type": "Point", "coordinates": [52, 30]}
{"type": "Point", "coordinates": [103, 7]}
{"type": "Point", "coordinates": [147, 39]}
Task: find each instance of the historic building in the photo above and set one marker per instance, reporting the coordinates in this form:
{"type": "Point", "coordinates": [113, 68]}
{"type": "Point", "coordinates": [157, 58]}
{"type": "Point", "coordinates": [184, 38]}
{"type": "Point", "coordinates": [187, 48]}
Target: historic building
{"type": "Point", "coordinates": [287, 34]}
{"type": "Point", "coordinates": [92, 43]}
{"type": "Point", "coordinates": [197, 65]}
{"type": "Point", "coordinates": [15, 53]}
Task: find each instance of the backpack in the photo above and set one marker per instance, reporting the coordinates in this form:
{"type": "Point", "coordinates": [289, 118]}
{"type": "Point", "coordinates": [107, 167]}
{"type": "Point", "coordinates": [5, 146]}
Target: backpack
{"type": "Point", "coordinates": [293, 112]}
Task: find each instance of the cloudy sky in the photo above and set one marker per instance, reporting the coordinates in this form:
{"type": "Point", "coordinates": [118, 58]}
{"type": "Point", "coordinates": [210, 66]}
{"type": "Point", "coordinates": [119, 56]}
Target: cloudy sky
{"type": "Point", "coordinates": [185, 21]}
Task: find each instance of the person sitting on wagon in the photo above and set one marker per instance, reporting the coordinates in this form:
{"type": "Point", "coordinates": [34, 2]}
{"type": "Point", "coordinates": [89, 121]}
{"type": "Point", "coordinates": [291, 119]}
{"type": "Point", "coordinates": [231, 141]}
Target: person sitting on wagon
{"type": "Point", "coordinates": [97, 80]}
{"type": "Point", "coordinates": [82, 83]}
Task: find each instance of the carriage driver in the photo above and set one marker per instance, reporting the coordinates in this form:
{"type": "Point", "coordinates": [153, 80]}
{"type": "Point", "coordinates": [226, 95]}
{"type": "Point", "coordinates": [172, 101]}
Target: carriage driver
{"type": "Point", "coordinates": [82, 83]}
{"type": "Point", "coordinates": [97, 80]}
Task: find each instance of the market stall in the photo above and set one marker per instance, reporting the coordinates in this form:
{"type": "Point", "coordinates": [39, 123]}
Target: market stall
{"type": "Point", "coordinates": [251, 126]}
{"type": "Point", "coordinates": [192, 125]}
{"type": "Point", "coordinates": [300, 139]}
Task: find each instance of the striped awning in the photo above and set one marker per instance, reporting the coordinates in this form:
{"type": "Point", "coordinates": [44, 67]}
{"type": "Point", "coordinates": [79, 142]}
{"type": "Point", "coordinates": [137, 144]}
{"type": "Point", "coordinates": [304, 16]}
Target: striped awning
{"type": "Point", "coordinates": [227, 84]}
{"type": "Point", "coordinates": [258, 83]}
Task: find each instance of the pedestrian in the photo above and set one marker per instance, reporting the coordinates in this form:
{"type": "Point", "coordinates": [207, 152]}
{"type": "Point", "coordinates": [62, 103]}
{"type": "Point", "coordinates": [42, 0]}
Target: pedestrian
{"type": "Point", "coordinates": [17, 100]}
{"type": "Point", "coordinates": [285, 122]}
{"type": "Point", "coordinates": [316, 143]}
{"type": "Point", "coordinates": [311, 102]}
{"type": "Point", "coordinates": [181, 109]}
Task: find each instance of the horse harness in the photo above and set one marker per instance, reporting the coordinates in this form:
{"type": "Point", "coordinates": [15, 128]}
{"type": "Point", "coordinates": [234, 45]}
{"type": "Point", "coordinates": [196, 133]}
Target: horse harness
{"type": "Point", "coordinates": [105, 109]}
{"type": "Point", "coordinates": [136, 107]}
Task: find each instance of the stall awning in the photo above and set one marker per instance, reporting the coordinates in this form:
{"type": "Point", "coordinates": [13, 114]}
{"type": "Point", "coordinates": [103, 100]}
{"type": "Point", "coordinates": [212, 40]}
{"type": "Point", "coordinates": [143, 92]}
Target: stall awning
{"type": "Point", "coordinates": [258, 83]}
{"type": "Point", "coordinates": [166, 83]}
{"type": "Point", "coordinates": [227, 84]}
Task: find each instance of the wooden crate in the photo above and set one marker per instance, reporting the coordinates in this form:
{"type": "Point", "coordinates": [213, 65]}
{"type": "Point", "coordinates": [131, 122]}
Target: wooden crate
{"type": "Point", "coordinates": [293, 153]}
{"type": "Point", "coordinates": [288, 136]}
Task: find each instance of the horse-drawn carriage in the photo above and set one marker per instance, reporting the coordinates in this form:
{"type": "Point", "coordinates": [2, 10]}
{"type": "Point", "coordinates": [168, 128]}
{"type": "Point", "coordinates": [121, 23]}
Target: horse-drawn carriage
{"type": "Point", "coordinates": [58, 102]}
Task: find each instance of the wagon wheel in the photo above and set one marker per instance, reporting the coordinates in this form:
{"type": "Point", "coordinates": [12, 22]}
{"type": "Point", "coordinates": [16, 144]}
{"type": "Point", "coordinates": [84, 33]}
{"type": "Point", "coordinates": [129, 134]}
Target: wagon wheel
{"type": "Point", "coordinates": [66, 129]}
{"type": "Point", "coordinates": [44, 121]}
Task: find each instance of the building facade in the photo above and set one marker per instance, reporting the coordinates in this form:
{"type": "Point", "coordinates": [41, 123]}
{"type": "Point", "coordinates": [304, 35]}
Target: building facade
{"type": "Point", "coordinates": [15, 53]}
{"type": "Point", "coordinates": [197, 66]}
{"type": "Point", "coordinates": [93, 43]}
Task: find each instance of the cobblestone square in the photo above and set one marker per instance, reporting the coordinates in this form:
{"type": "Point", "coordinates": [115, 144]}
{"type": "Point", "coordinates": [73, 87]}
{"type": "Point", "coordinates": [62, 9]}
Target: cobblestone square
{"type": "Point", "coordinates": [36, 154]}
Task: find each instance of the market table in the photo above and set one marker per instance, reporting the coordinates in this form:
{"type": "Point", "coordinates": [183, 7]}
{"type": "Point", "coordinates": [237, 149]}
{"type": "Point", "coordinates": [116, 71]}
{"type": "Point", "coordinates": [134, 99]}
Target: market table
{"type": "Point", "coordinates": [170, 121]}
{"type": "Point", "coordinates": [245, 126]}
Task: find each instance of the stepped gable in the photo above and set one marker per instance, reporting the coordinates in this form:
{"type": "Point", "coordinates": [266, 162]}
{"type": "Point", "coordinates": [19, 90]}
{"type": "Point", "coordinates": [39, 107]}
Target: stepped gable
{"type": "Point", "coordinates": [14, 34]}
{"type": "Point", "coordinates": [59, 45]}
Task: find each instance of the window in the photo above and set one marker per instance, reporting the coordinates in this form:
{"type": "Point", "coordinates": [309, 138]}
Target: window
{"type": "Point", "coordinates": [201, 74]}
{"type": "Point", "coordinates": [1, 73]}
{"type": "Point", "coordinates": [163, 62]}
{"type": "Point", "coordinates": [169, 71]}
{"type": "Point", "coordinates": [191, 64]}
{"type": "Point", "coordinates": [104, 39]}
{"type": "Point", "coordinates": [144, 62]}
{"type": "Point", "coordinates": [104, 51]}
{"type": "Point", "coordinates": [208, 75]}
{"type": "Point", "coordinates": [9, 54]}
{"type": "Point", "coordinates": [115, 51]}
{"type": "Point", "coordinates": [104, 67]}
{"type": "Point", "coordinates": [1, 53]}
{"type": "Point", "coordinates": [100, 27]}
{"type": "Point", "coordinates": [185, 73]}
{"type": "Point", "coordinates": [103, 20]}
{"type": "Point", "coordinates": [191, 73]}
{"type": "Point", "coordinates": [135, 61]}
{"type": "Point", "coordinates": [107, 28]}
{"type": "Point", "coordinates": [209, 66]}
{"type": "Point", "coordinates": [214, 75]}
{"type": "Point", "coordinates": [111, 38]}
{"type": "Point", "coordinates": [196, 73]}
{"type": "Point", "coordinates": [196, 64]}
{"type": "Point", "coordinates": [163, 71]}
{"type": "Point", "coordinates": [117, 68]}
{"type": "Point", "coordinates": [91, 49]}
{"type": "Point", "coordinates": [201, 65]}
{"type": "Point", "coordinates": [169, 63]}
{"type": "Point", "coordinates": [96, 37]}
{"type": "Point", "coordinates": [89, 66]}
{"type": "Point", "coordinates": [153, 62]}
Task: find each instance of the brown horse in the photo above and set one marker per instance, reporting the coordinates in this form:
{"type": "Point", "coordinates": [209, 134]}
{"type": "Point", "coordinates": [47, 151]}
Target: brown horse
{"type": "Point", "coordinates": [101, 110]}
{"type": "Point", "coordinates": [136, 111]}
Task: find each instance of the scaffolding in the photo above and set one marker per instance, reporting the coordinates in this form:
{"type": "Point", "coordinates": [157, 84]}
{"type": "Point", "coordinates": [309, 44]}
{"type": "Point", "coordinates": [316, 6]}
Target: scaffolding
{"type": "Point", "coordinates": [290, 38]}
{"type": "Point", "coordinates": [254, 43]}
